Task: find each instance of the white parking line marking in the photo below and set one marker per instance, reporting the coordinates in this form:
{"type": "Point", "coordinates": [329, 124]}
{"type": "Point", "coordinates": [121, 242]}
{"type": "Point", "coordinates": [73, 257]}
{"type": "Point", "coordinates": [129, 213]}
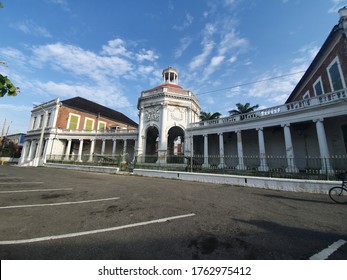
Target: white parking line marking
{"type": "Point", "coordinates": [58, 204]}
{"type": "Point", "coordinates": [18, 183]}
{"type": "Point", "coordinates": [324, 254]}
{"type": "Point", "coordinates": [69, 235]}
{"type": "Point", "coordinates": [37, 190]}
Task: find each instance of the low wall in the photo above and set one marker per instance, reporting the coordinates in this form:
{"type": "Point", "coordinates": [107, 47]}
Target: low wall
{"type": "Point", "coordinates": [9, 159]}
{"type": "Point", "coordinates": [283, 184]}
{"type": "Point", "coordinates": [99, 169]}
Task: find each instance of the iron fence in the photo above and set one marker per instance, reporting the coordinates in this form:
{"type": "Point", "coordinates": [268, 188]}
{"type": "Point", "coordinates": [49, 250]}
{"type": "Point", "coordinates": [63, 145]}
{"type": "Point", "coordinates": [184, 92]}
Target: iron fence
{"type": "Point", "coordinates": [270, 166]}
{"type": "Point", "coordinates": [119, 160]}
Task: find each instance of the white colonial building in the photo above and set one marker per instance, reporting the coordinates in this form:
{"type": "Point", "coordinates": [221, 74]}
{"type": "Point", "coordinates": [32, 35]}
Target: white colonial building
{"type": "Point", "coordinates": [308, 132]}
{"type": "Point", "coordinates": [165, 114]}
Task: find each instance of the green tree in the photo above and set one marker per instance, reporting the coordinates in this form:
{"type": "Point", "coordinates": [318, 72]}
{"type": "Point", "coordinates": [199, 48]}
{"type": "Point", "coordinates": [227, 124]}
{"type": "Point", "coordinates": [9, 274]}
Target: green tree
{"type": "Point", "coordinates": [243, 109]}
{"type": "Point", "coordinates": [6, 86]}
{"type": "Point", "coordinates": [204, 116]}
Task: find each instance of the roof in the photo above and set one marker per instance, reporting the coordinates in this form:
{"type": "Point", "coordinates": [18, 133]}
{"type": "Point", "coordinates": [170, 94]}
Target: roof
{"type": "Point", "coordinates": [169, 85]}
{"type": "Point", "coordinates": [336, 30]}
{"type": "Point", "coordinates": [97, 109]}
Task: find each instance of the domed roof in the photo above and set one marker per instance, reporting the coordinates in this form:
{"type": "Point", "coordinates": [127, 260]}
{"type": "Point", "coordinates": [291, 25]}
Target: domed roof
{"type": "Point", "coordinates": [169, 85]}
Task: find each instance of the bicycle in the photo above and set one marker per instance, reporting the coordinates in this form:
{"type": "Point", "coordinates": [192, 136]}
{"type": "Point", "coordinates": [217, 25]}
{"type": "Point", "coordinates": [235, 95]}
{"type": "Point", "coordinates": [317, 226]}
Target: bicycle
{"type": "Point", "coordinates": [339, 194]}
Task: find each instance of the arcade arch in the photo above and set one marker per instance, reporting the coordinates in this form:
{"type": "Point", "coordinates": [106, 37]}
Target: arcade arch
{"type": "Point", "coordinates": [152, 134]}
{"type": "Point", "coordinates": [175, 143]}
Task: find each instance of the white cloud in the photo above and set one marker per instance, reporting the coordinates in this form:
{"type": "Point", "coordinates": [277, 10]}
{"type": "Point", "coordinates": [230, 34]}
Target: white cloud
{"type": "Point", "coordinates": [145, 70]}
{"type": "Point", "coordinates": [232, 40]}
{"type": "Point", "coordinates": [184, 44]}
{"type": "Point", "coordinates": [232, 59]}
{"type": "Point", "coordinates": [107, 95]}
{"type": "Point", "coordinates": [200, 59]}
{"type": "Point", "coordinates": [146, 55]}
{"type": "Point", "coordinates": [11, 54]}
{"type": "Point", "coordinates": [15, 108]}
{"type": "Point", "coordinates": [229, 2]}
{"type": "Point", "coordinates": [337, 4]}
{"type": "Point", "coordinates": [31, 28]}
{"type": "Point", "coordinates": [81, 62]}
{"type": "Point", "coordinates": [276, 89]}
{"type": "Point", "coordinates": [63, 4]}
{"type": "Point", "coordinates": [219, 41]}
{"type": "Point", "coordinates": [215, 61]}
{"type": "Point", "coordinates": [115, 47]}
{"type": "Point", "coordinates": [212, 67]}
{"type": "Point", "coordinates": [186, 23]}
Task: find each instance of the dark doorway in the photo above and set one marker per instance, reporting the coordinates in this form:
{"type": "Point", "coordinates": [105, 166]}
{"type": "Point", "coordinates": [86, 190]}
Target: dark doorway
{"type": "Point", "coordinates": [152, 144]}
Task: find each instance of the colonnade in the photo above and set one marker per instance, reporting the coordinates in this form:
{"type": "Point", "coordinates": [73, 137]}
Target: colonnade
{"type": "Point", "coordinates": [263, 164]}
{"type": "Point", "coordinates": [30, 153]}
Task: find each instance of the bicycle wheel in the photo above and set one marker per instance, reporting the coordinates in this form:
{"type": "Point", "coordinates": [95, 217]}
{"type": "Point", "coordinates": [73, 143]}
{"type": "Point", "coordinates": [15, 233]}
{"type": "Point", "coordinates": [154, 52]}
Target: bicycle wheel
{"type": "Point", "coordinates": [338, 194]}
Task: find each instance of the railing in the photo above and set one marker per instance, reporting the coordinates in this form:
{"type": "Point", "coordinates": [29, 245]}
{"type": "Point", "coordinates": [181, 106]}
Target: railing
{"type": "Point", "coordinates": [296, 105]}
{"type": "Point", "coordinates": [86, 131]}
{"type": "Point", "coordinates": [118, 160]}
{"type": "Point", "coordinates": [269, 166]}
{"type": "Point", "coordinates": [100, 131]}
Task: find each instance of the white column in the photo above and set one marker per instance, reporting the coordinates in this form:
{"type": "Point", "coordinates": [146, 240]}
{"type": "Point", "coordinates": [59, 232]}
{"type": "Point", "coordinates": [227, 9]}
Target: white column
{"type": "Point", "coordinates": [262, 154]}
{"type": "Point", "coordinates": [24, 152]}
{"type": "Point", "coordinates": [205, 164]}
{"type": "Point", "coordinates": [92, 148]}
{"type": "Point", "coordinates": [80, 150]}
{"type": "Point", "coordinates": [31, 150]}
{"type": "Point", "coordinates": [162, 149]}
{"type": "Point", "coordinates": [46, 146]}
{"type": "Point", "coordinates": [114, 147]}
{"type": "Point", "coordinates": [103, 146]}
{"type": "Point", "coordinates": [221, 151]}
{"type": "Point", "coordinates": [136, 143]}
{"type": "Point", "coordinates": [125, 144]}
{"type": "Point", "coordinates": [241, 165]}
{"type": "Point", "coordinates": [323, 147]}
{"type": "Point", "coordinates": [291, 167]}
{"type": "Point", "coordinates": [68, 149]}
{"type": "Point", "coordinates": [139, 150]}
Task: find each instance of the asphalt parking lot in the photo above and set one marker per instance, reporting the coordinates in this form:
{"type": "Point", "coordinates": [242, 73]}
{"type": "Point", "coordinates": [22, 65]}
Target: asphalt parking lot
{"type": "Point", "coordinates": [48, 213]}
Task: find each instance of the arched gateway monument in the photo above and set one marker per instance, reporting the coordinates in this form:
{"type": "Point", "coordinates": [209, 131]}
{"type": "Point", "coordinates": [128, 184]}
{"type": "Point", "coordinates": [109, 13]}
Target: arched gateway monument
{"type": "Point", "coordinates": [165, 112]}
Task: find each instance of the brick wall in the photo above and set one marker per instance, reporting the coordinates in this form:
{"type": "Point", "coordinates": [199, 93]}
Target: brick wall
{"type": "Point", "coordinates": [63, 118]}
{"type": "Point", "coordinates": [339, 50]}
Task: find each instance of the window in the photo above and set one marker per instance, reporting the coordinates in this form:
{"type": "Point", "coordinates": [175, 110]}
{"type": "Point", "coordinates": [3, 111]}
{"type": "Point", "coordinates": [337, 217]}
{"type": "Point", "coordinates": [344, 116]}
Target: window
{"type": "Point", "coordinates": [34, 123]}
{"type": "Point", "coordinates": [89, 124]}
{"type": "Point", "coordinates": [318, 87]}
{"type": "Point", "coordinates": [41, 120]}
{"type": "Point", "coordinates": [48, 119]}
{"type": "Point", "coordinates": [335, 75]}
{"type": "Point", "coordinates": [306, 95]}
{"type": "Point", "coordinates": [73, 121]}
{"type": "Point", "coordinates": [101, 125]}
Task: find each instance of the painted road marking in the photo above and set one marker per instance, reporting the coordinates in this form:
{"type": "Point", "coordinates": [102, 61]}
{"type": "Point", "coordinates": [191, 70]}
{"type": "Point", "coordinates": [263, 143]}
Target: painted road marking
{"type": "Point", "coordinates": [19, 183]}
{"type": "Point", "coordinates": [69, 235]}
{"type": "Point", "coordinates": [37, 190]}
{"type": "Point", "coordinates": [324, 254]}
{"type": "Point", "coordinates": [58, 204]}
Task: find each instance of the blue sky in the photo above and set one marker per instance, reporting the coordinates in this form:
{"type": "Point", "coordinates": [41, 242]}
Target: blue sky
{"type": "Point", "coordinates": [108, 51]}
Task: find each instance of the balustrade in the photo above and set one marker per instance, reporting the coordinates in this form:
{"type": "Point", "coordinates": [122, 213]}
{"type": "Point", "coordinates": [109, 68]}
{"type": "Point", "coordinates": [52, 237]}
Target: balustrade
{"type": "Point", "coordinates": [273, 111]}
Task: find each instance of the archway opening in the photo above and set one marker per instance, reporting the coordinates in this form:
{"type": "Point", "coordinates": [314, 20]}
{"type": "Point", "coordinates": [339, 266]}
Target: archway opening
{"type": "Point", "coordinates": [175, 145]}
{"type": "Point", "coordinates": [152, 144]}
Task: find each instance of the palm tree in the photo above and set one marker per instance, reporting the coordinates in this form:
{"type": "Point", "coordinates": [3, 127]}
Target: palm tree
{"type": "Point", "coordinates": [204, 116]}
{"type": "Point", "coordinates": [243, 109]}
